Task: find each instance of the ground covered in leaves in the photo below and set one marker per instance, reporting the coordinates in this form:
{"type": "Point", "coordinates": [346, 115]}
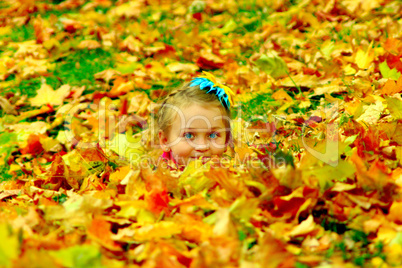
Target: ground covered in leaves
{"type": "Point", "coordinates": [314, 179]}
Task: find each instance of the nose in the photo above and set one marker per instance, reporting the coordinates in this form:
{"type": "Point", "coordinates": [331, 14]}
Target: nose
{"type": "Point", "coordinates": [201, 145]}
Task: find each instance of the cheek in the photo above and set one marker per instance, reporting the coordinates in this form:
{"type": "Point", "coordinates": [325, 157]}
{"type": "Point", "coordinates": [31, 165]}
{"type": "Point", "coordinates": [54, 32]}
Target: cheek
{"type": "Point", "coordinates": [182, 149]}
{"type": "Point", "coordinates": [219, 146]}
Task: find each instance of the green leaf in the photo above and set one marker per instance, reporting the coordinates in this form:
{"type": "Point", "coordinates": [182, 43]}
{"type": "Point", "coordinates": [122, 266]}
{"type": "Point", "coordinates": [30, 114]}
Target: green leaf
{"type": "Point", "coordinates": [230, 26]}
{"type": "Point", "coordinates": [7, 145]}
{"type": "Point", "coordinates": [327, 49]}
{"type": "Point", "coordinates": [273, 65]}
{"type": "Point", "coordinates": [326, 175]}
{"type": "Point", "coordinates": [386, 72]}
{"type": "Point", "coordinates": [397, 240]}
{"type": "Point", "coordinates": [78, 256]}
{"type": "Point", "coordinates": [242, 235]}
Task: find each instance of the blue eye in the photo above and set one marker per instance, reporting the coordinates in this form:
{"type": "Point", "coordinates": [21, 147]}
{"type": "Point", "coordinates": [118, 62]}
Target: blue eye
{"type": "Point", "coordinates": [188, 135]}
{"type": "Point", "coordinates": [213, 135]}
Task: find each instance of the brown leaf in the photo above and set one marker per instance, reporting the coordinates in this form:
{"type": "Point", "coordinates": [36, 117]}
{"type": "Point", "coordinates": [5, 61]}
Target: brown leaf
{"type": "Point", "coordinates": [7, 107]}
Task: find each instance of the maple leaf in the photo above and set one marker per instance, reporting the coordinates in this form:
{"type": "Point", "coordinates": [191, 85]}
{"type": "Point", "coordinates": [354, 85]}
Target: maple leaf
{"type": "Point", "coordinates": [286, 65]}
{"type": "Point", "coordinates": [46, 95]}
{"type": "Point", "coordinates": [386, 72]}
{"type": "Point", "coordinates": [390, 87]}
{"type": "Point", "coordinates": [363, 59]}
{"type": "Point", "coordinates": [158, 201]}
{"type": "Point", "coordinates": [395, 107]}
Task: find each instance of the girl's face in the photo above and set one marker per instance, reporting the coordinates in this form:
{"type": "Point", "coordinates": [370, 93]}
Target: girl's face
{"type": "Point", "coordinates": [197, 131]}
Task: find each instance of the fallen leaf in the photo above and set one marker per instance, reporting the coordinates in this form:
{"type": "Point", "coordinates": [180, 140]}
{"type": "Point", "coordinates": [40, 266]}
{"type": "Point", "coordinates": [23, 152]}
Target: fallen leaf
{"type": "Point", "coordinates": [46, 95]}
{"type": "Point", "coordinates": [89, 44]}
{"type": "Point", "coordinates": [7, 107]}
{"type": "Point", "coordinates": [210, 61]}
{"type": "Point", "coordinates": [363, 59]}
{"type": "Point", "coordinates": [182, 67]}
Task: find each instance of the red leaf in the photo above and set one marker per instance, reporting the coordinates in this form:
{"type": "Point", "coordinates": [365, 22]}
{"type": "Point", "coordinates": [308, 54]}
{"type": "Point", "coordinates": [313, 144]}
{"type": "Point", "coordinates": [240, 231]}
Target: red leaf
{"type": "Point", "coordinates": [208, 64]}
{"type": "Point", "coordinates": [34, 146]}
{"type": "Point", "coordinates": [284, 206]}
{"type": "Point", "coordinates": [197, 16]}
{"type": "Point", "coordinates": [158, 201]}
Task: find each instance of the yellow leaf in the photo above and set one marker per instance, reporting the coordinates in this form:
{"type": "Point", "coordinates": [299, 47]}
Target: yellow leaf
{"type": "Point", "coordinates": [223, 224]}
{"type": "Point", "coordinates": [281, 95]}
{"type": "Point", "coordinates": [38, 127]}
{"type": "Point", "coordinates": [5, 30]}
{"type": "Point", "coordinates": [348, 69]}
{"type": "Point", "coordinates": [46, 95]}
{"type": "Point", "coordinates": [50, 144]}
{"type": "Point", "coordinates": [164, 229]}
{"type": "Point", "coordinates": [305, 227]}
{"type": "Point", "coordinates": [371, 113]}
{"type": "Point", "coordinates": [9, 248]}
{"type": "Point", "coordinates": [364, 59]}
{"type": "Point", "coordinates": [51, 43]}
{"type": "Point", "coordinates": [182, 67]}
{"type": "Point", "coordinates": [394, 107]}
{"type": "Point", "coordinates": [395, 212]}
{"type": "Point", "coordinates": [120, 174]}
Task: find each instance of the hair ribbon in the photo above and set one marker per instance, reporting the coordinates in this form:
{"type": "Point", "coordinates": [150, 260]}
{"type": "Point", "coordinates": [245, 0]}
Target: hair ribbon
{"type": "Point", "coordinates": [209, 82]}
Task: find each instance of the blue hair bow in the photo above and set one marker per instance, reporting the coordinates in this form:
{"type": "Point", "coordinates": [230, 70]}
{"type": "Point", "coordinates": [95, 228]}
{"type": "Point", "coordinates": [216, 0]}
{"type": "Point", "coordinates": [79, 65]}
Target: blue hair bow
{"type": "Point", "coordinates": [209, 83]}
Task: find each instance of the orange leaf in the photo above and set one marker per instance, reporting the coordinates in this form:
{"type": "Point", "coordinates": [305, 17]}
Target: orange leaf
{"type": "Point", "coordinates": [89, 44]}
{"type": "Point", "coordinates": [395, 214]}
{"type": "Point", "coordinates": [282, 95]}
{"type": "Point", "coordinates": [120, 174]}
{"type": "Point", "coordinates": [390, 87]}
{"type": "Point", "coordinates": [393, 45]}
{"type": "Point", "coordinates": [121, 86]}
{"type": "Point", "coordinates": [272, 253]}
{"type": "Point", "coordinates": [99, 230]}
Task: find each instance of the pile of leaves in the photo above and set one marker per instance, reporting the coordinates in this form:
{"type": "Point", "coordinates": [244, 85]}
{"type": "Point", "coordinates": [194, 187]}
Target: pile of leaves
{"type": "Point", "coordinates": [313, 180]}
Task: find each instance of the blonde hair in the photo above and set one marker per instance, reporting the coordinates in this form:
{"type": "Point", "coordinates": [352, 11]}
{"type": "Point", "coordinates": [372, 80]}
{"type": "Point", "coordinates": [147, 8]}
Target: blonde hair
{"type": "Point", "coordinates": [184, 97]}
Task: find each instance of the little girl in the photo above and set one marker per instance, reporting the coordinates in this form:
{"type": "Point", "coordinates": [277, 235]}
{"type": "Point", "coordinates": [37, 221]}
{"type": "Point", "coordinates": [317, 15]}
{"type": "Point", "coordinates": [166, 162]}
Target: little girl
{"type": "Point", "coordinates": [194, 121]}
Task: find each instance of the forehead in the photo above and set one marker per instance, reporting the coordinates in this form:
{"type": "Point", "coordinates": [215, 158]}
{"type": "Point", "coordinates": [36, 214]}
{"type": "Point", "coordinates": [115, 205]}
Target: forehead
{"type": "Point", "coordinates": [200, 116]}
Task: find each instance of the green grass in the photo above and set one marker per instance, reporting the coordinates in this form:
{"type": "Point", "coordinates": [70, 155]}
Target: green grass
{"type": "Point", "coordinates": [360, 254]}
{"type": "Point", "coordinates": [259, 105]}
{"type": "Point", "coordinates": [20, 34]}
{"type": "Point", "coordinates": [26, 87]}
{"type": "Point", "coordinates": [8, 144]}
{"type": "Point", "coordinates": [76, 69]}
